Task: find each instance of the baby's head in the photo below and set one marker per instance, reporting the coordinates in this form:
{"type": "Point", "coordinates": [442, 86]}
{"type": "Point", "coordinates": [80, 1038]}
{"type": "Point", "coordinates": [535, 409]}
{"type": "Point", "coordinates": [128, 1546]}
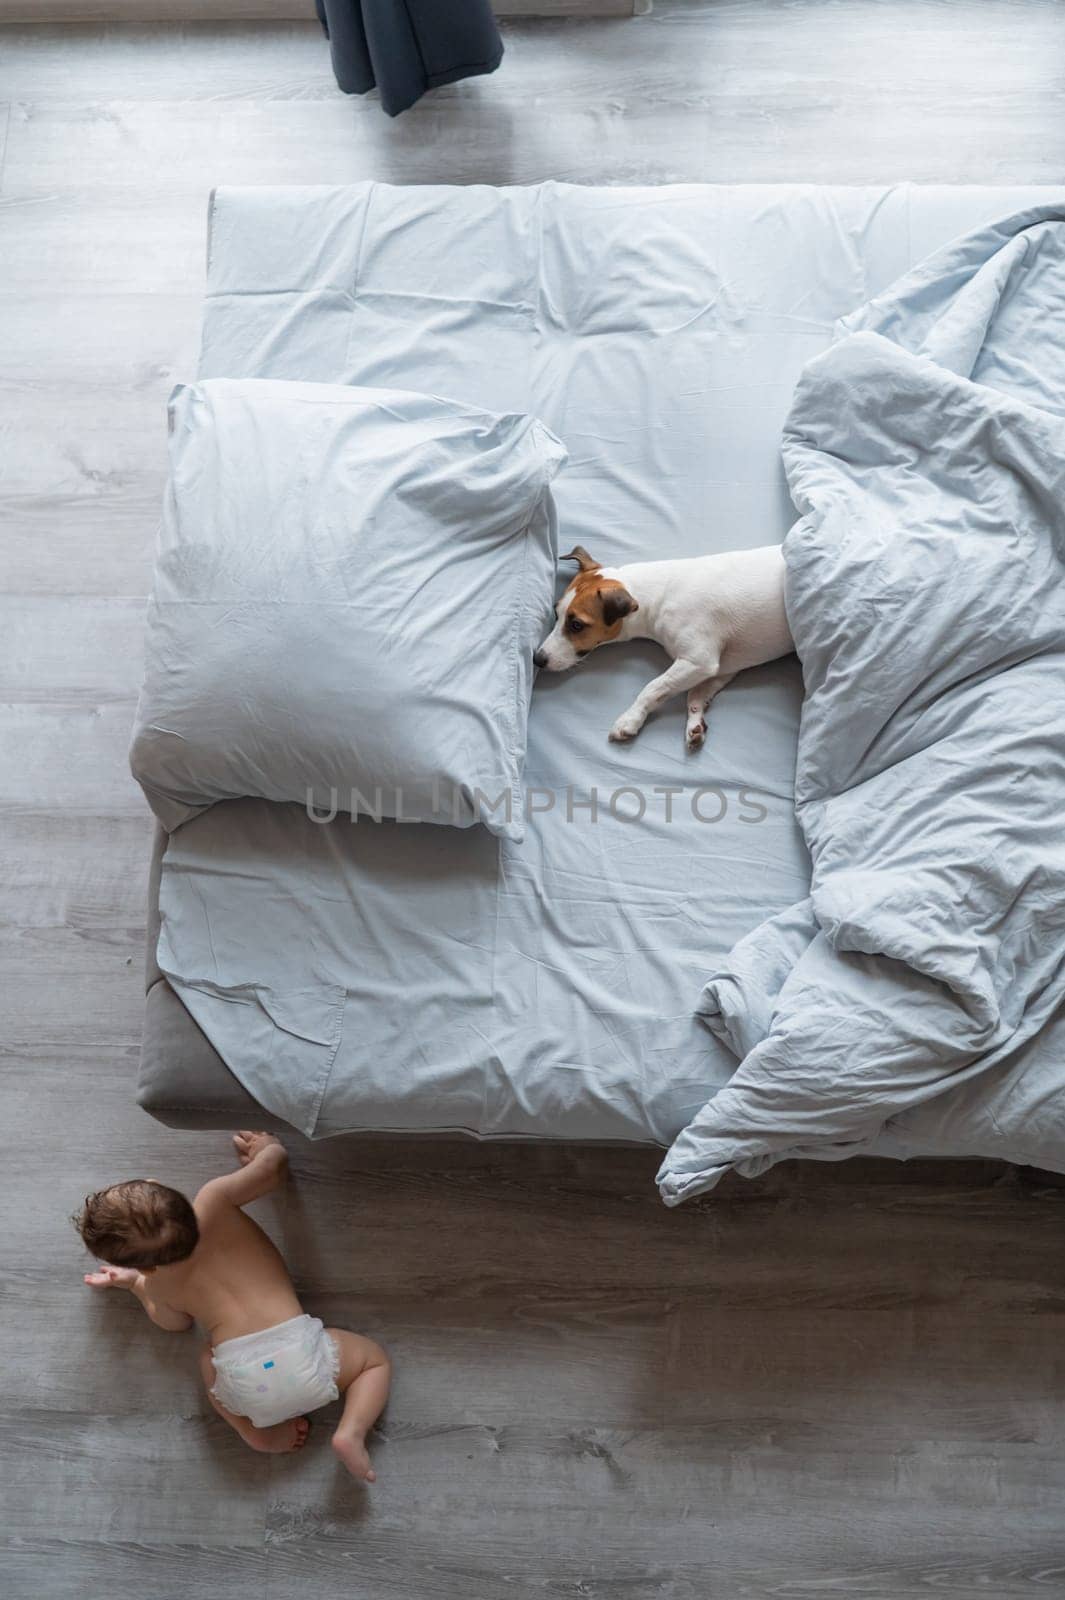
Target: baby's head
{"type": "Point", "coordinates": [139, 1224]}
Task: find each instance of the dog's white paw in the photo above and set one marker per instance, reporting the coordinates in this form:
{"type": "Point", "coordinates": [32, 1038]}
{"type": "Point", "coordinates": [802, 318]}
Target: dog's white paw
{"type": "Point", "coordinates": [695, 734]}
{"type": "Point", "coordinates": [625, 729]}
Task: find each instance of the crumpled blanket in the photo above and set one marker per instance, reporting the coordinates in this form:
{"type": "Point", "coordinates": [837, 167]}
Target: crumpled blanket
{"type": "Point", "coordinates": [913, 1002]}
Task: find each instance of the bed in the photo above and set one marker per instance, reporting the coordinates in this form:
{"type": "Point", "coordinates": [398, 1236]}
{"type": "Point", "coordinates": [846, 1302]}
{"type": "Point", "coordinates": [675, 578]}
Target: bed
{"type": "Point", "coordinates": [547, 989]}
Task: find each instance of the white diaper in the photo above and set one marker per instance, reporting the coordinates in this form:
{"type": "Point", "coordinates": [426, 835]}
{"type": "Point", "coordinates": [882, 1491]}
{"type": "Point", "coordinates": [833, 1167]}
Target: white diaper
{"type": "Point", "coordinates": [278, 1373]}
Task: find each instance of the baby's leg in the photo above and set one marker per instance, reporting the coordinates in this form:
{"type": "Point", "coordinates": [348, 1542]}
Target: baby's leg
{"type": "Point", "coordinates": [363, 1379]}
{"type": "Point", "coordinates": [282, 1436]}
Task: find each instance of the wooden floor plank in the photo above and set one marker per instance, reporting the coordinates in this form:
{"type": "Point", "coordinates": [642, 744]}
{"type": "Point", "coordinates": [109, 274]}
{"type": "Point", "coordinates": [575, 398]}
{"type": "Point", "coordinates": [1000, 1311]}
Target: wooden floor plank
{"type": "Point", "coordinates": [56, 543]}
{"type": "Point", "coordinates": [124, 241]}
{"type": "Point", "coordinates": [76, 1569]}
{"type": "Point", "coordinates": [81, 650]}
{"type": "Point", "coordinates": [824, 92]}
{"type": "Point", "coordinates": [726, 136]}
{"type": "Point", "coordinates": [836, 1381]}
{"type": "Point", "coordinates": [112, 1478]}
{"type": "Point", "coordinates": [75, 754]}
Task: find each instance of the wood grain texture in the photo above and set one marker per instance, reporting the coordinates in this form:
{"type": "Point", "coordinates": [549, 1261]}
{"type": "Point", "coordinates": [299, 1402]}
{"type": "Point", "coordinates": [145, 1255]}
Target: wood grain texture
{"type": "Point", "coordinates": [244, 11]}
{"type": "Point", "coordinates": [837, 1381]}
{"type": "Point", "coordinates": [59, 1569]}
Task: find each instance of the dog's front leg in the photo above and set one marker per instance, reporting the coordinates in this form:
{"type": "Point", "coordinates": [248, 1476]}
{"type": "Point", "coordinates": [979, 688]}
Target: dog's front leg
{"type": "Point", "coordinates": [680, 676]}
{"type": "Point", "coordinates": [699, 699]}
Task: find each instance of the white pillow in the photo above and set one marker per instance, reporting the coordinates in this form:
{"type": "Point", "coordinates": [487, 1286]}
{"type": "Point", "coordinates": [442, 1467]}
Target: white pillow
{"type": "Point", "coordinates": [349, 587]}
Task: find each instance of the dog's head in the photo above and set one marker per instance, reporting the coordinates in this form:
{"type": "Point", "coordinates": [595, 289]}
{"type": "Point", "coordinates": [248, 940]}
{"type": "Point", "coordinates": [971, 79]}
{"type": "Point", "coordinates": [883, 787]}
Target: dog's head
{"type": "Point", "coordinates": [590, 613]}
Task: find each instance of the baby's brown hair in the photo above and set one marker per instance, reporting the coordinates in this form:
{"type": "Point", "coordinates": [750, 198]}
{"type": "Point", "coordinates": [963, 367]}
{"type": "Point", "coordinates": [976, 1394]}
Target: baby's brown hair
{"type": "Point", "coordinates": [139, 1224]}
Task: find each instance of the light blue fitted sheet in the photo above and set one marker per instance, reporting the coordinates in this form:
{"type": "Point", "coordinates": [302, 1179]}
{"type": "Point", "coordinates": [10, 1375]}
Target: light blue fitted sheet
{"type": "Point", "coordinates": [384, 977]}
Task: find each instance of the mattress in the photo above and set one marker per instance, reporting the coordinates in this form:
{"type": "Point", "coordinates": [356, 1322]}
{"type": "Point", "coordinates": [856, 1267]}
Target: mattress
{"type": "Point", "coordinates": [548, 989]}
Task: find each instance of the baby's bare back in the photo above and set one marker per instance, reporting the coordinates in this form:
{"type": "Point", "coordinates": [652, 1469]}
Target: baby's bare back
{"type": "Point", "coordinates": [235, 1282]}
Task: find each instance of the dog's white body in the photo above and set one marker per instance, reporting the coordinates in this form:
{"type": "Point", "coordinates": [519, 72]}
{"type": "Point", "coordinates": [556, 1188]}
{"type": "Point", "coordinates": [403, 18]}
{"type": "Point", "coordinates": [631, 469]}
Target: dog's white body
{"type": "Point", "coordinates": [714, 615]}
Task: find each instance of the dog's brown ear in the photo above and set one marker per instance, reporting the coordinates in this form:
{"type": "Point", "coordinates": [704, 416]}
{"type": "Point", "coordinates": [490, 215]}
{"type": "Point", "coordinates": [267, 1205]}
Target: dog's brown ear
{"type": "Point", "coordinates": [617, 603]}
{"type": "Point", "coordinates": [580, 555]}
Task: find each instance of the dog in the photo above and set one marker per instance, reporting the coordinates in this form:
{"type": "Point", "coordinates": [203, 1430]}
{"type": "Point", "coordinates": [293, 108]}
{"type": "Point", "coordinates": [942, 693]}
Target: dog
{"type": "Point", "coordinates": [714, 615]}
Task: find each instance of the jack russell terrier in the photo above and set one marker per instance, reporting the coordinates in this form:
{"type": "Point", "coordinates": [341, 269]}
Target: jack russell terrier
{"type": "Point", "coordinates": [714, 615]}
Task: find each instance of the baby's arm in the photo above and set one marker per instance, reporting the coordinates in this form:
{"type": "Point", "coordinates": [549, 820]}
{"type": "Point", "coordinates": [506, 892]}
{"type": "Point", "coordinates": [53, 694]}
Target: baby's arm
{"type": "Point", "coordinates": [262, 1160]}
{"type": "Point", "coordinates": [160, 1313]}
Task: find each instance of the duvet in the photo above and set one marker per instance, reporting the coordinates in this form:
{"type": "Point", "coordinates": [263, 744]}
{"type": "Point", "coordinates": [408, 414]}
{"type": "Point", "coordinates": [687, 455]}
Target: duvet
{"type": "Point", "coordinates": [925, 454]}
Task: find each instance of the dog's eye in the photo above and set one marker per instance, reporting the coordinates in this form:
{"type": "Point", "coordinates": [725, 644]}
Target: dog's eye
{"type": "Point", "coordinates": [575, 625]}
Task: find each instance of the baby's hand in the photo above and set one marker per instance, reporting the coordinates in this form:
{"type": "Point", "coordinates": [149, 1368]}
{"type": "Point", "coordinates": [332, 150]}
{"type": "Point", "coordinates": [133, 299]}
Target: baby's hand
{"type": "Point", "coordinates": [249, 1145]}
{"type": "Point", "coordinates": [112, 1277]}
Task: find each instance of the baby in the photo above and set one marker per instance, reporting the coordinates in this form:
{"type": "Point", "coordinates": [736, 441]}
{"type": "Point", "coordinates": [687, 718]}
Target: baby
{"type": "Point", "coordinates": [266, 1361]}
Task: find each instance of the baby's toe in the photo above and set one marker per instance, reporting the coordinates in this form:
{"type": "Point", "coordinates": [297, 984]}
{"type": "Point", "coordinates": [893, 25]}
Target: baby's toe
{"type": "Point", "coordinates": [303, 1428]}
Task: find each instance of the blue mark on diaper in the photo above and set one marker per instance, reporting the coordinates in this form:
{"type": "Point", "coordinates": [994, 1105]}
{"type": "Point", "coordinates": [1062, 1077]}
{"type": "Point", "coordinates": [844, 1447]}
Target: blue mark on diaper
{"type": "Point", "coordinates": [267, 1365]}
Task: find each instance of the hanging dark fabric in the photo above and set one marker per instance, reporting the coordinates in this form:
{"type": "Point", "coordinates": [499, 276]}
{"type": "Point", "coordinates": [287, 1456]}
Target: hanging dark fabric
{"type": "Point", "coordinates": [408, 46]}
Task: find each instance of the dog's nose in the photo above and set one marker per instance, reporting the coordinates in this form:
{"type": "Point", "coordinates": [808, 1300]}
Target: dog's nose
{"type": "Point", "coordinates": [539, 659]}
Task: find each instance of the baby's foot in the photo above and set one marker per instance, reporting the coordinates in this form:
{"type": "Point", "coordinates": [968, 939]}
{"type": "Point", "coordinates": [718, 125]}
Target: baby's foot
{"type": "Point", "coordinates": [351, 1449]}
{"type": "Point", "coordinates": [283, 1436]}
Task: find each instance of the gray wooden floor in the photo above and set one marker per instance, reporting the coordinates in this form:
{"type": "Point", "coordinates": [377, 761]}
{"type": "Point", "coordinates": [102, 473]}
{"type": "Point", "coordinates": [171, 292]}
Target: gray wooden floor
{"type": "Point", "coordinates": [835, 1382]}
